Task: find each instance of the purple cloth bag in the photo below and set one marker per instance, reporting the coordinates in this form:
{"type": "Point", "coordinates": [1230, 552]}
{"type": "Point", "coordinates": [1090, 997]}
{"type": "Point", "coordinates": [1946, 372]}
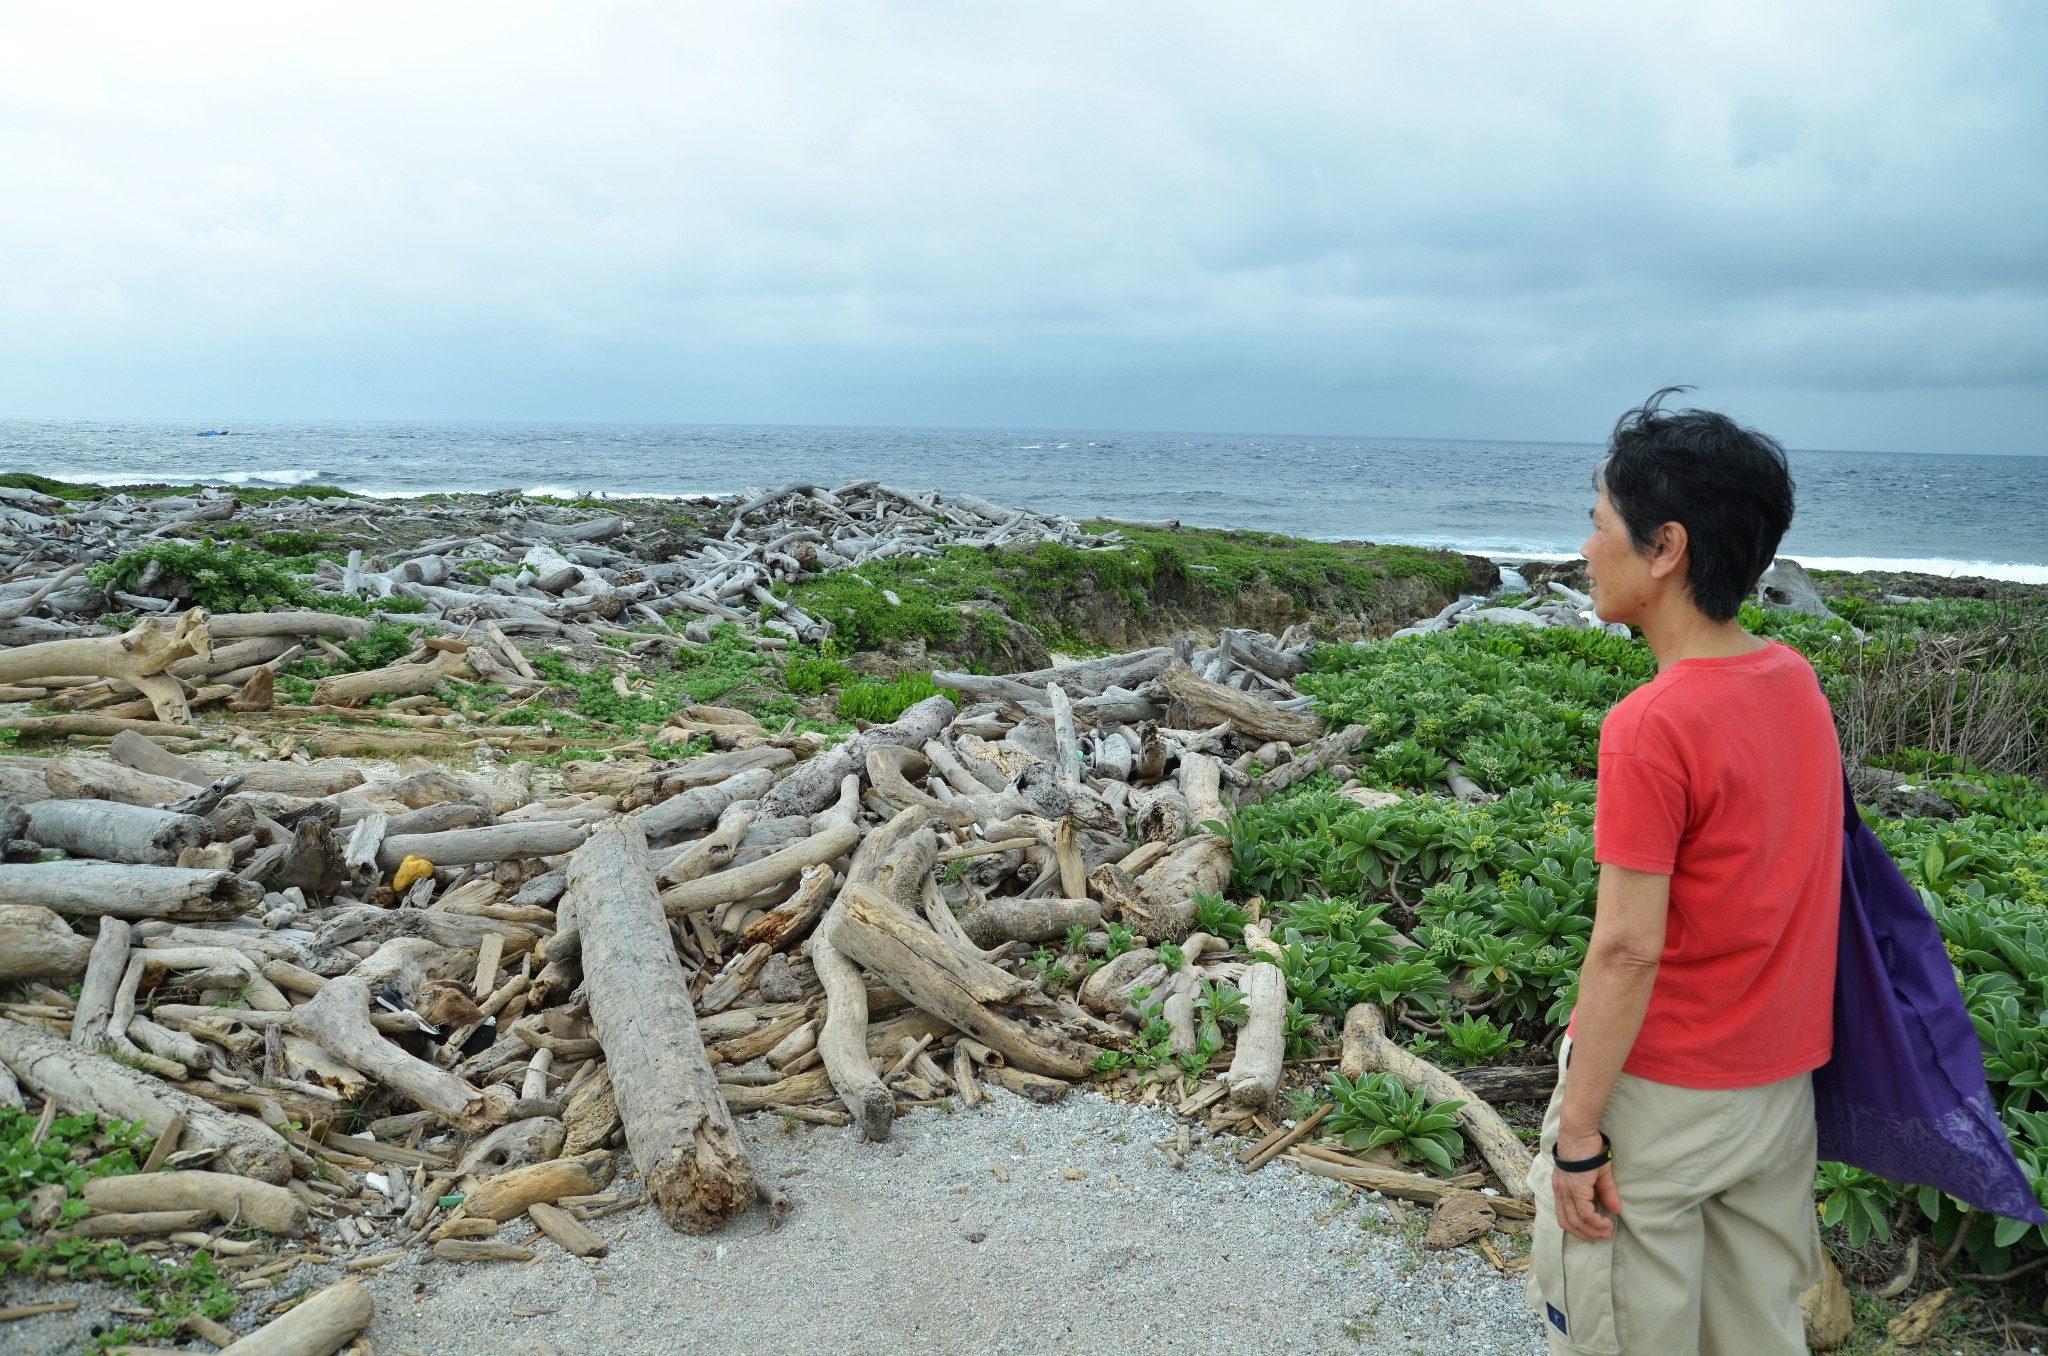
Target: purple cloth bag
{"type": "Point", "coordinates": [1905, 1095]}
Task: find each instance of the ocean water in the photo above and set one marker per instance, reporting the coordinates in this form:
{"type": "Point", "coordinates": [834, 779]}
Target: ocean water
{"type": "Point", "coordinates": [1857, 510]}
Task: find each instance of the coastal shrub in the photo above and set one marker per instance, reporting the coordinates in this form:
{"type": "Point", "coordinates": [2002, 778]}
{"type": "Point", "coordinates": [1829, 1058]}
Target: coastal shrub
{"type": "Point", "coordinates": [812, 674]}
{"type": "Point", "coordinates": [878, 702]}
{"type": "Point", "coordinates": [221, 578]}
{"type": "Point", "coordinates": [1509, 703]}
{"type": "Point", "coordinates": [1499, 896]}
{"type": "Point", "coordinates": [729, 670]}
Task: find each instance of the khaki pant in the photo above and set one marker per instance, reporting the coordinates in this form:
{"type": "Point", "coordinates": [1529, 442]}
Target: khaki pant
{"type": "Point", "coordinates": [1717, 1235]}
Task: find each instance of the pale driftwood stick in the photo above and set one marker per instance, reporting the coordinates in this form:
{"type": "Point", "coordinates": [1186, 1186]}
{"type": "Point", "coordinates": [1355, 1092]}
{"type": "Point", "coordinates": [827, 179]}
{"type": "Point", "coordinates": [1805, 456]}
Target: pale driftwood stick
{"type": "Point", "coordinates": [338, 1020]}
{"type": "Point", "coordinates": [733, 980]}
{"type": "Point", "coordinates": [563, 1227]}
{"type": "Point", "coordinates": [114, 832]}
{"type": "Point", "coordinates": [34, 943]}
{"type": "Point", "coordinates": [116, 1038]}
{"type": "Point", "coordinates": [120, 890]}
{"type": "Point", "coordinates": [790, 922]}
{"type": "Point", "coordinates": [1201, 788]}
{"type": "Point", "coordinates": [813, 785]}
{"type": "Point", "coordinates": [701, 808]}
{"type": "Point", "coordinates": [231, 1199]}
{"type": "Point", "coordinates": [1386, 1181]}
{"type": "Point", "coordinates": [714, 851]}
{"type": "Point", "coordinates": [80, 1082]}
{"type": "Point", "coordinates": [1365, 1030]}
{"type": "Point", "coordinates": [1028, 920]}
{"type": "Point", "coordinates": [1306, 763]}
{"type": "Point", "coordinates": [1210, 703]}
{"type": "Point", "coordinates": [961, 990]}
{"type": "Point", "coordinates": [164, 1043]}
{"type": "Point", "coordinates": [138, 658]}
{"type": "Point", "coordinates": [677, 1125]}
{"type": "Point", "coordinates": [1254, 1073]}
{"type": "Point", "coordinates": [495, 843]}
{"type": "Point", "coordinates": [1086, 679]}
{"type": "Point", "coordinates": [740, 882]}
{"type": "Point", "coordinates": [1066, 743]}
{"type": "Point", "coordinates": [359, 858]}
{"type": "Point", "coordinates": [90, 779]}
{"type": "Point", "coordinates": [318, 1326]}
{"type": "Point", "coordinates": [103, 972]}
{"type": "Point", "coordinates": [842, 1041]}
{"type": "Point", "coordinates": [262, 994]}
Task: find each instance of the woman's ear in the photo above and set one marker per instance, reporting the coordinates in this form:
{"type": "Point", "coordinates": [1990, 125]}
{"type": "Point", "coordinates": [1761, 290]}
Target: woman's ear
{"type": "Point", "coordinates": [1666, 555]}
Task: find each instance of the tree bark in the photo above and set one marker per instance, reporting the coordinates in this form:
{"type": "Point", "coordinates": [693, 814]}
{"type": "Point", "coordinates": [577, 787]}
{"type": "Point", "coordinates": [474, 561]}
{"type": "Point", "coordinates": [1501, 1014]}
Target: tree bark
{"type": "Point", "coordinates": [677, 1125]}
{"type": "Point", "coordinates": [79, 1082]}
{"type": "Point", "coordinates": [119, 890]}
{"type": "Point", "coordinates": [1367, 1049]}
{"type": "Point", "coordinates": [35, 943]}
{"type": "Point", "coordinates": [113, 832]}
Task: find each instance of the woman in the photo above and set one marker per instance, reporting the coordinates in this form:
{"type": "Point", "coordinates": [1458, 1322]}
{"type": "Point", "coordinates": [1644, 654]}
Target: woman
{"type": "Point", "coordinates": [1674, 1179]}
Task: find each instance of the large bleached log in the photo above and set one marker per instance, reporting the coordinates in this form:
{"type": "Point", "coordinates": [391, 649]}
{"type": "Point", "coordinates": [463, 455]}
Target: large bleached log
{"type": "Point", "coordinates": [119, 890]}
{"type": "Point", "coordinates": [1210, 703]}
{"type": "Point", "coordinates": [1164, 909]}
{"type": "Point", "coordinates": [393, 680]}
{"type": "Point", "coordinates": [713, 768]}
{"type": "Point", "coordinates": [332, 625]}
{"type": "Point", "coordinates": [115, 832]}
{"type": "Point", "coordinates": [228, 1198]}
{"type": "Point", "coordinates": [890, 767]}
{"type": "Point", "coordinates": [80, 1081]}
{"type": "Point", "coordinates": [90, 779]}
{"type": "Point", "coordinates": [740, 882]}
{"type": "Point", "coordinates": [35, 943]}
{"type": "Point", "coordinates": [496, 843]}
{"type": "Point", "coordinates": [1028, 920]}
{"type": "Point", "coordinates": [1086, 679]}
{"type": "Point", "coordinates": [677, 1126]}
{"type": "Point", "coordinates": [137, 657]}
{"type": "Point", "coordinates": [1201, 789]}
{"type": "Point", "coordinates": [690, 811]}
{"type": "Point", "coordinates": [338, 1020]}
{"type": "Point", "coordinates": [1254, 1073]}
{"type": "Point", "coordinates": [318, 1326]}
{"type": "Point", "coordinates": [963, 990]}
{"type": "Point", "coordinates": [1367, 1049]}
{"type": "Point", "coordinates": [815, 785]}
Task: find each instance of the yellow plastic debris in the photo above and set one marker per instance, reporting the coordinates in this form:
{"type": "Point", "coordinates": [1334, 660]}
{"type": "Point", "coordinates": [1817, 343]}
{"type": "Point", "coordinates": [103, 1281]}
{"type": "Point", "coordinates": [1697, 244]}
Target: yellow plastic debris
{"type": "Point", "coordinates": [411, 872]}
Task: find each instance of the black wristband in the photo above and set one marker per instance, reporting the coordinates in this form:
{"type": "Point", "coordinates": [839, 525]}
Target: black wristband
{"type": "Point", "coordinates": [1599, 1160]}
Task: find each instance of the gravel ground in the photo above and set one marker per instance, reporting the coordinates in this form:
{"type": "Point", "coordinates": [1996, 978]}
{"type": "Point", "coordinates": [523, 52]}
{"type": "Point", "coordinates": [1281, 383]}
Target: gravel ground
{"type": "Point", "coordinates": [917, 1245]}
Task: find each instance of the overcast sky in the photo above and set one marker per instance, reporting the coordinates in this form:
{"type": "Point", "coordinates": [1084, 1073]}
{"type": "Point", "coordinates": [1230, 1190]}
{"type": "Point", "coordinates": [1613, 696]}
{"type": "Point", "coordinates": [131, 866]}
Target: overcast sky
{"type": "Point", "coordinates": [1483, 218]}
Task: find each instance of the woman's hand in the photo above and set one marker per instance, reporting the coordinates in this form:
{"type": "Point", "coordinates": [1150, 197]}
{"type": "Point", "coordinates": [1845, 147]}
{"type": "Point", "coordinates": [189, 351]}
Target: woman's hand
{"type": "Point", "coordinates": [1581, 1196]}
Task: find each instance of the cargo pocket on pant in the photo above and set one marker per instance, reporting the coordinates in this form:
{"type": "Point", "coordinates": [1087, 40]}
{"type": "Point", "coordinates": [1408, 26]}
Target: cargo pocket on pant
{"type": "Point", "coordinates": [1576, 1284]}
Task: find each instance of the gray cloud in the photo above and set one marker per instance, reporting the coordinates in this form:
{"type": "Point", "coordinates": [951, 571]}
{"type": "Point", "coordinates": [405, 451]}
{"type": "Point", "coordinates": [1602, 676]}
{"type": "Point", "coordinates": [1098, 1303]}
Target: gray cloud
{"type": "Point", "coordinates": [1487, 219]}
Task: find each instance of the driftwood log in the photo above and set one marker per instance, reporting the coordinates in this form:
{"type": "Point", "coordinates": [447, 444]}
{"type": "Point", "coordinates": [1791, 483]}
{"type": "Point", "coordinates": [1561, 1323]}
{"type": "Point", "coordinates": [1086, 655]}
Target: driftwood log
{"type": "Point", "coordinates": [113, 832]}
{"type": "Point", "coordinates": [138, 658]}
{"type": "Point", "coordinates": [338, 1020]}
{"type": "Point", "coordinates": [120, 890]}
{"type": "Point", "coordinates": [677, 1125]}
{"type": "Point", "coordinates": [235, 1201]}
{"type": "Point", "coordinates": [496, 843]}
{"type": "Point", "coordinates": [1254, 1074]}
{"type": "Point", "coordinates": [742, 882]}
{"type": "Point", "coordinates": [35, 943]}
{"type": "Point", "coordinates": [80, 1081]}
{"type": "Point", "coordinates": [815, 785]}
{"type": "Point", "coordinates": [318, 1326]}
{"type": "Point", "coordinates": [1367, 1049]}
{"type": "Point", "coordinates": [1207, 703]}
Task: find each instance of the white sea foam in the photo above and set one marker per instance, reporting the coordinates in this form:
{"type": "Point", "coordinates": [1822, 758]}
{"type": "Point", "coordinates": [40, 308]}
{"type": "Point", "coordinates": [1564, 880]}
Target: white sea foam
{"type": "Point", "coordinates": [2017, 571]}
{"type": "Point", "coordinates": [265, 479]}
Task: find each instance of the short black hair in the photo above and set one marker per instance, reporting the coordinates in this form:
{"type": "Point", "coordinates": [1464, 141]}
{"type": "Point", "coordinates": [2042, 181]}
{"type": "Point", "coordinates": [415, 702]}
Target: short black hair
{"type": "Point", "coordinates": [1728, 485]}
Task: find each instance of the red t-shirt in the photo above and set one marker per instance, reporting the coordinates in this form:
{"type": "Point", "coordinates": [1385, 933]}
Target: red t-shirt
{"type": "Point", "coordinates": [1725, 774]}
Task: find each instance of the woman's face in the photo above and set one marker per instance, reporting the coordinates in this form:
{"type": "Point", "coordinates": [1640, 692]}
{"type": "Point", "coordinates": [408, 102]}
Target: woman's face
{"type": "Point", "coordinates": [1618, 577]}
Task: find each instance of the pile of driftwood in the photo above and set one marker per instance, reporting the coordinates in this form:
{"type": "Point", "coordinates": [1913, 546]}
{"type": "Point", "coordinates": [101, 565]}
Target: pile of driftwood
{"type": "Point", "coordinates": [417, 1005]}
{"type": "Point", "coordinates": [534, 568]}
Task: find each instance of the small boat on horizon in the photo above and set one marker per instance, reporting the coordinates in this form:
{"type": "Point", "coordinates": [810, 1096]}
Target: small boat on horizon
{"type": "Point", "coordinates": [212, 433]}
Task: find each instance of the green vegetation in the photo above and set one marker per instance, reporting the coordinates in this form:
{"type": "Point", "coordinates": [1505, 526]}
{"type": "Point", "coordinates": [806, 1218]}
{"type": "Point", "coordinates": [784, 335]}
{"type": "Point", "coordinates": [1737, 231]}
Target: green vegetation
{"type": "Point", "coordinates": [235, 578]}
{"type": "Point", "coordinates": [1500, 895]}
{"type": "Point", "coordinates": [64, 489]}
{"type": "Point", "coordinates": [75, 1150]}
{"type": "Point", "coordinates": [1378, 1111]}
{"type": "Point", "coordinates": [878, 702]}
